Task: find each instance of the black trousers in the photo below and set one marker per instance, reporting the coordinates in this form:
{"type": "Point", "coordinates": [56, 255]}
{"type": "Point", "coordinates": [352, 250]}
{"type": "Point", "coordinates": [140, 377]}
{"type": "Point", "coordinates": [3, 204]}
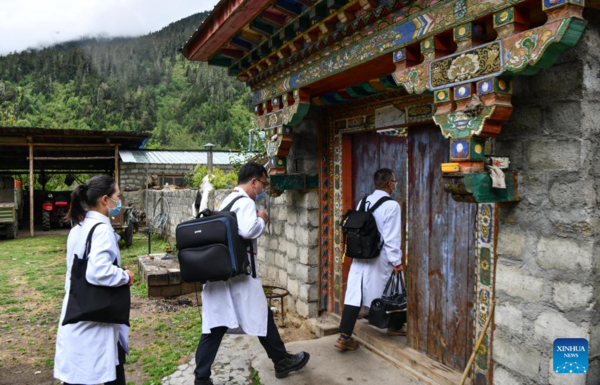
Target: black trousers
{"type": "Point", "coordinates": [350, 315]}
{"type": "Point", "coordinates": [209, 345]}
{"type": "Point", "coordinates": [120, 370]}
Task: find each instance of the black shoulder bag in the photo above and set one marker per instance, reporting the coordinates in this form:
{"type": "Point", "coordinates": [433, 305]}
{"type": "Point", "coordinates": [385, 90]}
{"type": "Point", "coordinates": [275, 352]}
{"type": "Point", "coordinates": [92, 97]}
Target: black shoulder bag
{"type": "Point", "coordinates": [391, 302]}
{"type": "Point", "coordinates": [93, 303]}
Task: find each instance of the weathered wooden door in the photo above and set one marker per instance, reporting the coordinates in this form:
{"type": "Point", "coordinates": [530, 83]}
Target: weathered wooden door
{"type": "Point", "coordinates": [440, 256]}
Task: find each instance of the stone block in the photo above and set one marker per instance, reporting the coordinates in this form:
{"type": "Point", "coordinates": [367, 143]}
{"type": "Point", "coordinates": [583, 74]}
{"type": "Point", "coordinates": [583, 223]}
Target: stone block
{"type": "Point", "coordinates": [313, 293]}
{"type": "Point", "coordinates": [516, 356]}
{"type": "Point", "coordinates": [577, 194]}
{"type": "Point", "coordinates": [292, 217]}
{"type": "Point", "coordinates": [290, 232]}
{"type": "Point", "coordinates": [551, 325]}
{"type": "Point", "coordinates": [517, 283]}
{"type": "Point", "coordinates": [508, 317]}
{"type": "Point", "coordinates": [511, 242]}
{"type": "Point", "coordinates": [309, 200]}
{"type": "Point", "coordinates": [303, 254]}
{"type": "Point", "coordinates": [164, 291]}
{"type": "Point", "coordinates": [187, 288]}
{"type": "Point", "coordinates": [157, 277]}
{"type": "Point", "coordinates": [554, 155]}
{"type": "Point", "coordinates": [307, 310]}
{"type": "Point", "coordinates": [282, 277]}
{"type": "Point", "coordinates": [569, 296]}
{"type": "Point", "coordinates": [564, 254]}
{"type": "Point", "coordinates": [292, 287]}
{"type": "Point", "coordinates": [307, 274]}
{"type": "Point", "coordinates": [504, 377]}
{"type": "Point", "coordinates": [281, 215]}
{"type": "Point", "coordinates": [313, 218]}
{"type": "Point", "coordinates": [302, 234]}
{"type": "Point", "coordinates": [273, 243]}
{"type": "Point", "coordinates": [280, 260]}
{"type": "Point", "coordinates": [307, 237]}
{"type": "Point", "coordinates": [303, 292]}
{"type": "Point", "coordinates": [313, 237]}
{"type": "Point", "coordinates": [174, 276]}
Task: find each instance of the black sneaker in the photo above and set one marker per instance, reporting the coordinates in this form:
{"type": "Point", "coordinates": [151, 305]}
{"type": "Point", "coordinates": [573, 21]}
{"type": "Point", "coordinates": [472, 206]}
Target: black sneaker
{"type": "Point", "coordinates": [291, 363]}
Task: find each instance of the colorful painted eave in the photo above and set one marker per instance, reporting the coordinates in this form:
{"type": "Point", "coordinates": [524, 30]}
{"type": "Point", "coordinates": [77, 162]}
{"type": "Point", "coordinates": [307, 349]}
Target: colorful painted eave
{"type": "Point", "coordinates": [227, 18]}
{"type": "Point", "coordinates": [408, 29]}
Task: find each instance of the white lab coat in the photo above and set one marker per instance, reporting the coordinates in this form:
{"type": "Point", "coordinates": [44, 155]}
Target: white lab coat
{"type": "Point", "coordinates": [367, 277]}
{"type": "Point", "coordinates": [86, 352]}
{"type": "Point", "coordinates": [239, 303]}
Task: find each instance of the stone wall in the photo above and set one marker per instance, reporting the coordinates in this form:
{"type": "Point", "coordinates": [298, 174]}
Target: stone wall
{"type": "Point", "coordinates": [548, 266]}
{"type": "Point", "coordinates": [289, 250]}
{"type": "Point", "coordinates": [133, 176]}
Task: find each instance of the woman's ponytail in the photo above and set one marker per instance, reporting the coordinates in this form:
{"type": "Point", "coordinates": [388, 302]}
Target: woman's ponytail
{"type": "Point", "coordinates": [79, 204]}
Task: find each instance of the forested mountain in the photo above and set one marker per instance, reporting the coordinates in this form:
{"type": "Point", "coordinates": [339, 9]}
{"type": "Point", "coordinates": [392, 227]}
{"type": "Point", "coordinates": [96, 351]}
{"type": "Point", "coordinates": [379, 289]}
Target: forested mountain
{"type": "Point", "coordinates": [131, 84]}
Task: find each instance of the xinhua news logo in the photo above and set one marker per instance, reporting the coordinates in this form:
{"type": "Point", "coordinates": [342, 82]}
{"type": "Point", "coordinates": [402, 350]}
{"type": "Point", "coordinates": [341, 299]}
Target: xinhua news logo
{"type": "Point", "coordinates": [570, 355]}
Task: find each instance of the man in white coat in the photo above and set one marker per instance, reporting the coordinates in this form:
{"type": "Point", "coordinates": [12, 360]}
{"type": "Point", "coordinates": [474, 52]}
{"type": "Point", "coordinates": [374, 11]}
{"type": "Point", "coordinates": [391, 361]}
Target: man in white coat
{"type": "Point", "coordinates": [239, 305]}
{"type": "Point", "coordinates": [368, 277]}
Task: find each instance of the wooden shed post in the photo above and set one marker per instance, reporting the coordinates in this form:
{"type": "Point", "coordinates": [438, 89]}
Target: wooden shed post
{"type": "Point", "coordinates": [117, 164]}
{"type": "Point", "coordinates": [31, 189]}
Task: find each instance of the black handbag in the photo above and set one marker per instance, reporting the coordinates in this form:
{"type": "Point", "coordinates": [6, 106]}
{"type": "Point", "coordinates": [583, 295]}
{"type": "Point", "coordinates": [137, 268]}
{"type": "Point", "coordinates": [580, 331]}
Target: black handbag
{"type": "Point", "coordinates": [391, 303]}
{"type": "Point", "coordinates": [94, 303]}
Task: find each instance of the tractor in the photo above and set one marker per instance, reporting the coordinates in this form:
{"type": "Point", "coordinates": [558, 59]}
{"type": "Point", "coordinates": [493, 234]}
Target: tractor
{"type": "Point", "coordinates": [11, 206]}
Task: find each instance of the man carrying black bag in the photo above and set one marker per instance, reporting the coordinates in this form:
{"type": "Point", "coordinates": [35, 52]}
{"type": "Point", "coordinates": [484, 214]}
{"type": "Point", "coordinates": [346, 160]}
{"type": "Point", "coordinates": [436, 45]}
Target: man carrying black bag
{"type": "Point", "coordinates": [239, 305]}
{"type": "Point", "coordinates": [368, 277]}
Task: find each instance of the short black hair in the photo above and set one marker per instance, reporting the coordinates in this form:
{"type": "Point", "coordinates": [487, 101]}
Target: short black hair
{"type": "Point", "coordinates": [251, 170]}
{"type": "Point", "coordinates": [382, 177]}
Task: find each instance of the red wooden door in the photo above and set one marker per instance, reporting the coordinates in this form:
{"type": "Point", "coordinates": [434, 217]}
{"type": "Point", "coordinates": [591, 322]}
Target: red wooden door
{"type": "Point", "coordinates": [440, 256]}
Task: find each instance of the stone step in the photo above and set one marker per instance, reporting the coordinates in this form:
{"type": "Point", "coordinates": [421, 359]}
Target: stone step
{"type": "Point", "coordinates": [323, 326]}
{"type": "Point", "coordinates": [396, 350]}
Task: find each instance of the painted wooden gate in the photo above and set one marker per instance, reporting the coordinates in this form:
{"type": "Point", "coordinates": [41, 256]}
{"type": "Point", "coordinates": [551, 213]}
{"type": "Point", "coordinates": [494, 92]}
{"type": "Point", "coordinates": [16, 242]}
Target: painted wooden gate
{"type": "Point", "coordinates": [440, 242]}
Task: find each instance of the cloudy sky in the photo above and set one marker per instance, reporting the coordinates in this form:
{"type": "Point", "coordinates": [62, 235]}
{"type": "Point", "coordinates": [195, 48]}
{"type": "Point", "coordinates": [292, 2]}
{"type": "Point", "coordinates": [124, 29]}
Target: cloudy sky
{"type": "Point", "coordinates": [35, 23]}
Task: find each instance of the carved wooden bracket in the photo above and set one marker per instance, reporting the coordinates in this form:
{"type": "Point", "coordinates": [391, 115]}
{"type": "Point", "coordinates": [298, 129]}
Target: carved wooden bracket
{"type": "Point", "coordinates": [277, 118]}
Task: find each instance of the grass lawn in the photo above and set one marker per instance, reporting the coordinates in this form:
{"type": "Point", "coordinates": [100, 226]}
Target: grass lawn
{"type": "Point", "coordinates": [163, 331]}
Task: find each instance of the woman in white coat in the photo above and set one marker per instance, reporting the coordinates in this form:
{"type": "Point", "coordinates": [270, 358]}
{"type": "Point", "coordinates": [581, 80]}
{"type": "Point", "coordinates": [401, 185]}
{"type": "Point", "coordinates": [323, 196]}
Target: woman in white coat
{"type": "Point", "coordinates": [90, 352]}
{"type": "Point", "coordinates": [368, 277]}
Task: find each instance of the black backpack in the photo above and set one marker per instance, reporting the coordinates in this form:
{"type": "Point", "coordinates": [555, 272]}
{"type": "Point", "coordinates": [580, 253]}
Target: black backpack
{"type": "Point", "coordinates": [211, 249]}
{"type": "Point", "coordinates": [363, 240]}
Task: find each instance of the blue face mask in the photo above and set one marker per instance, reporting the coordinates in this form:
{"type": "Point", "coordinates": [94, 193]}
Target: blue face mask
{"type": "Point", "coordinates": [112, 212]}
{"type": "Point", "coordinates": [261, 196]}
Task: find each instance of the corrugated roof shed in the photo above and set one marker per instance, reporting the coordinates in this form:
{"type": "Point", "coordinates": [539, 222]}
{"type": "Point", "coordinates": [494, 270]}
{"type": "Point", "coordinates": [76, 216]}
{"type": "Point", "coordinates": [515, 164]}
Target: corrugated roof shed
{"type": "Point", "coordinates": [177, 157]}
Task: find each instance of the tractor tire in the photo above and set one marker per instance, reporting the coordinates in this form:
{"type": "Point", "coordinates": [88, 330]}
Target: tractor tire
{"type": "Point", "coordinates": [46, 221]}
{"type": "Point", "coordinates": [128, 235]}
{"type": "Point", "coordinates": [60, 213]}
{"type": "Point", "coordinates": [12, 230]}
